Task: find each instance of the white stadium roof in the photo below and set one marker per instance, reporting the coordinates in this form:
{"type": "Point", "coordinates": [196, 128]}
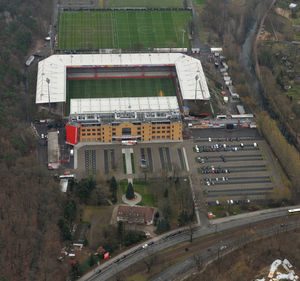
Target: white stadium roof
{"type": "Point", "coordinates": [108, 105]}
{"type": "Point", "coordinates": [53, 69]}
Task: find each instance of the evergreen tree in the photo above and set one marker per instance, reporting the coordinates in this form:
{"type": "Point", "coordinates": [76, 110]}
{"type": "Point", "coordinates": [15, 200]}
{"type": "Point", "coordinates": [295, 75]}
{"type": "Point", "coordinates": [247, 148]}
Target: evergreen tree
{"type": "Point", "coordinates": [166, 193]}
{"type": "Point", "coordinates": [162, 226]}
{"type": "Point", "coordinates": [92, 260]}
{"type": "Point", "coordinates": [129, 192]}
{"type": "Point", "coordinates": [113, 187]}
{"type": "Point", "coordinates": [113, 184]}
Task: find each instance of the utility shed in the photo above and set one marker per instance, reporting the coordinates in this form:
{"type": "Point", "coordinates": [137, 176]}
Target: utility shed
{"type": "Point", "coordinates": [53, 150]}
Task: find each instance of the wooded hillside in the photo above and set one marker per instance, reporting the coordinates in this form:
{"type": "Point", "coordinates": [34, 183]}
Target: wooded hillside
{"type": "Point", "coordinates": [29, 236]}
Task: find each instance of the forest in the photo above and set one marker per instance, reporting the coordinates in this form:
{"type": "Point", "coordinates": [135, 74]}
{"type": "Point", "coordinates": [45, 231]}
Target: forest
{"type": "Point", "coordinates": [30, 200]}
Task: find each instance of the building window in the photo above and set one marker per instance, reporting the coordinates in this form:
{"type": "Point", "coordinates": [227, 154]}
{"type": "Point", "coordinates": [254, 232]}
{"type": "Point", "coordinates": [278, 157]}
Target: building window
{"type": "Point", "coordinates": [93, 130]}
{"type": "Point", "coordinates": [94, 134]}
{"type": "Point", "coordinates": [83, 134]}
{"type": "Point", "coordinates": [113, 133]}
{"type": "Point", "coordinates": [88, 134]}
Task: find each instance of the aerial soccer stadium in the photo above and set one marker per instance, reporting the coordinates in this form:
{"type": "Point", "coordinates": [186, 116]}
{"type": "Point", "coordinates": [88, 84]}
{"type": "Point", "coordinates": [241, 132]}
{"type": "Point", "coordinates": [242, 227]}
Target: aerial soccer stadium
{"type": "Point", "coordinates": [110, 98]}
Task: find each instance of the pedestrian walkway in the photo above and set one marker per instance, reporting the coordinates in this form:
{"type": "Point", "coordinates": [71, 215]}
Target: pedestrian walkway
{"type": "Point", "coordinates": [127, 152]}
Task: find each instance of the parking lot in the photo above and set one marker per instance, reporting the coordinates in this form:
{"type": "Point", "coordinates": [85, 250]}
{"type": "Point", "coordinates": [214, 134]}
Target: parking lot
{"type": "Point", "coordinates": [234, 168]}
{"type": "Point", "coordinates": [155, 159]}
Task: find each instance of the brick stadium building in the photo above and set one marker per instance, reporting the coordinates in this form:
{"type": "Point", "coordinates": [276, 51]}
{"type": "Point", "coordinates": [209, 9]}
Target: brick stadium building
{"type": "Point", "coordinates": [110, 120]}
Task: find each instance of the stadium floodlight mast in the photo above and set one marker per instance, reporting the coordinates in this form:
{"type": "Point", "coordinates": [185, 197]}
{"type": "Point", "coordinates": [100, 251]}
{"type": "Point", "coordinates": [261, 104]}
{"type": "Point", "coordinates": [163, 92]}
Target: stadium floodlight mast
{"type": "Point", "coordinates": [48, 82]}
{"type": "Point", "coordinates": [196, 79]}
{"type": "Point", "coordinates": [183, 31]}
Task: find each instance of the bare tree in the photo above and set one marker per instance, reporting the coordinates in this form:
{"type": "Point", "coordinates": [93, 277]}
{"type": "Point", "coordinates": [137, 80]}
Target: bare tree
{"type": "Point", "coordinates": [191, 229]}
{"type": "Point", "coordinates": [198, 261]}
{"type": "Point", "coordinates": [150, 260]}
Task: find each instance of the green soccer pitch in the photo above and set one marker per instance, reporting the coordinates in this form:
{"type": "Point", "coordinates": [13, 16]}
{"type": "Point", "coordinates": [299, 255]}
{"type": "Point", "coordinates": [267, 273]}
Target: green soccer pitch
{"type": "Point", "coordinates": [127, 30]}
{"type": "Point", "coordinates": [119, 87]}
{"type": "Point", "coordinates": [144, 3]}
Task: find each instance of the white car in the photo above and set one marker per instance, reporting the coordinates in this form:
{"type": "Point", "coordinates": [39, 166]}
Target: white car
{"type": "Point", "coordinates": [255, 144]}
{"type": "Point", "coordinates": [145, 246]}
{"type": "Point", "coordinates": [209, 139]}
{"type": "Point", "coordinates": [72, 152]}
{"type": "Point", "coordinates": [197, 148]}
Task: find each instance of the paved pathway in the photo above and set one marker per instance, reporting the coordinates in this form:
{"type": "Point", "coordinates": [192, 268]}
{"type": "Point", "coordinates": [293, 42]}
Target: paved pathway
{"type": "Point", "coordinates": [132, 202]}
{"type": "Point", "coordinates": [127, 152]}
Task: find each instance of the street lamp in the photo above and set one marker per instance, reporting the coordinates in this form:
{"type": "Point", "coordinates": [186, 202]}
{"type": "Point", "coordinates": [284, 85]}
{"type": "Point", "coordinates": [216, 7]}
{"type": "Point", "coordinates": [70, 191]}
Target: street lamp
{"type": "Point", "coordinates": [183, 31]}
{"type": "Point", "coordinates": [196, 79]}
{"type": "Point", "coordinates": [48, 82]}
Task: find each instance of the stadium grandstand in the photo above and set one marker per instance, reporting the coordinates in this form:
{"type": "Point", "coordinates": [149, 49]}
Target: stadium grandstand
{"type": "Point", "coordinates": [95, 93]}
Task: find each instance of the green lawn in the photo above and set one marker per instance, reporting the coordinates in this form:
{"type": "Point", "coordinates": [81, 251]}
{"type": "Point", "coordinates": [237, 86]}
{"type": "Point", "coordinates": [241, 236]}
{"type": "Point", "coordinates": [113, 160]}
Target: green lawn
{"type": "Point", "coordinates": [141, 188]}
{"type": "Point", "coordinates": [135, 30]}
{"type": "Point", "coordinates": [294, 92]}
{"type": "Point", "coordinates": [144, 3]}
{"type": "Point", "coordinates": [112, 88]}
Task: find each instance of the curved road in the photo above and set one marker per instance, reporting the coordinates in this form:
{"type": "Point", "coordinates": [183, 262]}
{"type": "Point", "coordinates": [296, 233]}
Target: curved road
{"type": "Point", "coordinates": [136, 254]}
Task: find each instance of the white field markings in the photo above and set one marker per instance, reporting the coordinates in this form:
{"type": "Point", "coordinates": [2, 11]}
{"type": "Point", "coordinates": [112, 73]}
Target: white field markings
{"type": "Point", "coordinates": [174, 27]}
{"type": "Point", "coordinates": [129, 34]}
{"type": "Point", "coordinates": [120, 84]}
{"type": "Point", "coordinates": [113, 29]}
{"type": "Point", "coordinates": [116, 27]}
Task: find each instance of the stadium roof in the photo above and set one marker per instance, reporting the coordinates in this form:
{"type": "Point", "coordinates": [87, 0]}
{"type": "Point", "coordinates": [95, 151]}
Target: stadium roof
{"type": "Point", "coordinates": [108, 105]}
{"type": "Point", "coordinates": [53, 69]}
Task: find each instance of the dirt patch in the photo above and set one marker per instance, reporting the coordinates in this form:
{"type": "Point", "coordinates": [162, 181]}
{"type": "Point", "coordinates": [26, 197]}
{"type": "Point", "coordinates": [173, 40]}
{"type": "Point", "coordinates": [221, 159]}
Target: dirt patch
{"type": "Point", "coordinates": [283, 13]}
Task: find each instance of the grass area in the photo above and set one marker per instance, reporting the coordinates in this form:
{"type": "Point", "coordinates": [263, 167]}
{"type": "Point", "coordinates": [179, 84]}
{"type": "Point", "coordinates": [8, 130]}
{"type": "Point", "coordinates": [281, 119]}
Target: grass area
{"type": "Point", "coordinates": [200, 2]}
{"type": "Point", "coordinates": [144, 3]}
{"type": "Point", "coordinates": [135, 30]}
{"type": "Point", "coordinates": [220, 210]}
{"type": "Point", "coordinates": [124, 164]}
{"type": "Point", "coordinates": [85, 266]}
{"type": "Point", "coordinates": [90, 212]}
{"type": "Point", "coordinates": [132, 162]}
{"type": "Point", "coordinates": [294, 92]}
{"type": "Point", "coordinates": [141, 188]}
{"type": "Point", "coordinates": [112, 88]}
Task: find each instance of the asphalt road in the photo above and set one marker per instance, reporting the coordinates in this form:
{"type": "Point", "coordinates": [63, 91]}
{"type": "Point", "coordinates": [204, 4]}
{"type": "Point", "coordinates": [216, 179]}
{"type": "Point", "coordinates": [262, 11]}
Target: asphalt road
{"type": "Point", "coordinates": [220, 249]}
{"type": "Point", "coordinates": [136, 254]}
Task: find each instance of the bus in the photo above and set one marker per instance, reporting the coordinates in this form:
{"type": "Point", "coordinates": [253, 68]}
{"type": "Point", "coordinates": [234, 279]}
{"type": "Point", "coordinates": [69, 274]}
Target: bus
{"type": "Point", "coordinates": [71, 176]}
{"type": "Point", "coordinates": [294, 211]}
{"type": "Point", "coordinates": [127, 142]}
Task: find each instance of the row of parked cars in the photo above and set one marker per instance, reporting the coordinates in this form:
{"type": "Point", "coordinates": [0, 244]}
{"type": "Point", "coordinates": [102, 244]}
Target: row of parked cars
{"type": "Point", "coordinates": [222, 147]}
{"type": "Point", "coordinates": [213, 170]}
{"type": "Point", "coordinates": [230, 202]}
{"type": "Point", "coordinates": [213, 181]}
